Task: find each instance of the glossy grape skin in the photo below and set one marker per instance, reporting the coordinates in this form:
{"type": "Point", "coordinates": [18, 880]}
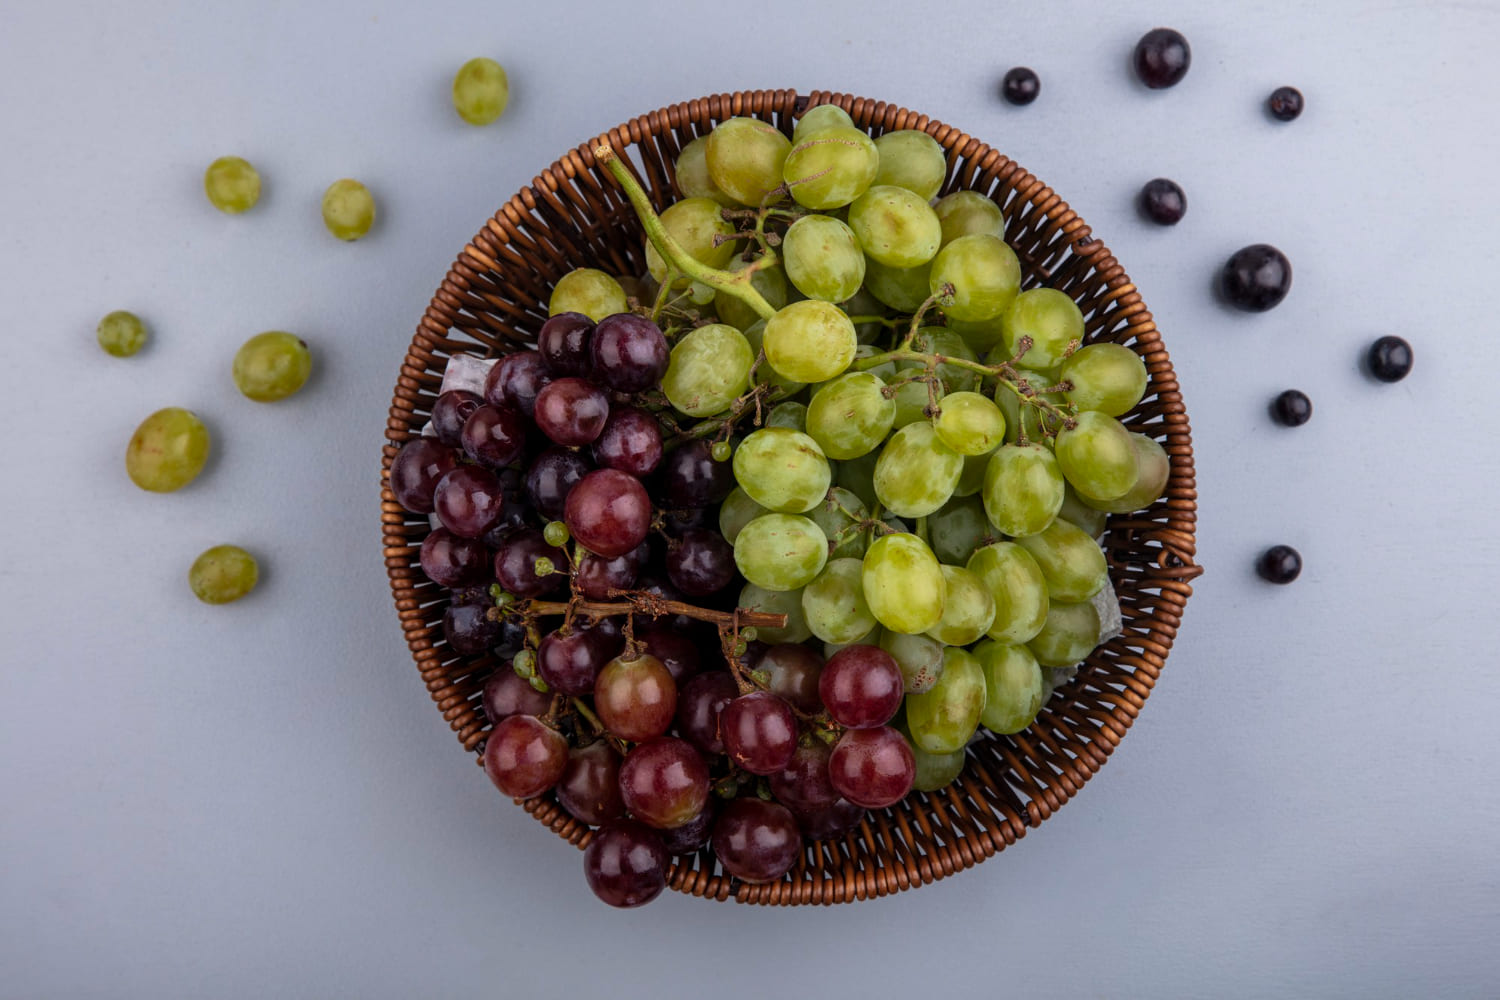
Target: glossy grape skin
{"type": "Point", "coordinates": [873, 768]}
{"type": "Point", "coordinates": [481, 91]}
{"type": "Point", "coordinates": [626, 863]}
{"type": "Point", "coordinates": [1097, 457]}
{"type": "Point", "coordinates": [903, 583]}
{"type": "Point", "coordinates": [699, 703]}
{"type": "Point", "coordinates": [167, 450]}
{"type": "Point", "coordinates": [842, 532]}
{"type": "Point", "coordinates": [822, 258]}
{"type": "Point", "coordinates": [1109, 378]}
{"type": "Point", "coordinates": [1023, 489]}
{"type": "Point", "coordinates": [1052, 321]}
{"type": "Point", "coordinates": [968, 608]}
{"type": "Point", "coordinates": [916, 473]}
{"type": "Point", "coordinates": [571, 411]}
{"type": "Point", "coordinates": [958, 530]}
{"type": "Point", "coordinates": [792, 671]}
{"type": "Point", "coordinates": [1076, 510]}
{"type": "Point", "coordinates": [779, 602]}
{"type": "Point", "coordinates": [756, 841]}
{"type": "Point", "coordinates": [416, 470]}
{"type": "Point", "coordinates": [588, 291]}
{"type": "Point", "coordinates": [564, 342]}
{"type": "Point", "coordinates": [494, 436]}
{"type": "Point", "coordinates": [834, 603]}
{"type": "Point", "coordinates": [1285, 103]}
{"type": "Point", "coordinates": [597, 577]}
{"type": "Point", "coordinates": [515, 563]}
{"type": "Point", "coordinates": [809, 341]}
{"type": "Point", "coordinates": [985, 275]}
{"type": "Point", "coordinates": [913, 161]}
{"type": "Point", "coordinates": [121, 334]}
{"type": "Point", "coordinates": [943, 719]}
{"type": "Point", "coordinates": [635, 697]}
{"type": "Point", "coordinates": [850, 415]}
{"type": "Point", "coordinates": [570, 662]}
{"type": "Point", "coordinates": [608, 512]}
{"type": "Point", "coordinates": [1070, 633]}
{"type": "Point", "coordinates": [780, 551]}
{"type": "Point", "coordinates": [1018, 586]}
{"type": "Point", "coordinates": [1162, 201]}
{"type": "Point", "coordinates": [861, 687]}
{"type": "Point", "coordinates": [232, 185]}
{"type": "Point", "coordinates": [222, 574]}
{"type": "Point", "coordinates": [900, 288]}
{"type": "Point", "coordinates": [759, 732]}
{"type": "Point", "coordinates": [523, 757]}
{"type": "Point", "coordinates": [515, 382]}
{"type": "Point", "coordinates": [469, 630]}
{"type": "Point", "coordinates": [708, 369]}
{"type": "Point", "coordinates": [506, 694]}
{"type": "Point", "coordinates": [665, 782]}
{"type": "Point", "coordinates": [1071, 561]}
{"type": "Point", "coordinates": [630, 442]}
{"type": "Point", "coordinates": [348, 209]}
{"type": "Point", "coordinates": [968, 213]}
{"type": "Point", "coordinates": [1256, 278]}
{"type": "Point", "coordinates": [589, 788]}
{"type": "Point", "coordinates": [453, 561]}
{"type": "Point", "coordinates": [691, 170]}
{"type": "Point", "coordinates": [552, 476]}
{"type": "Point", "coordinates": [782, 470]}
{"type": "Point", "coordinates": [1153, 469]}
{"type": "Point", "coordinates": [691, 477]}
{"type": "Point", "coordinates": [700, 563]}
{"type": "Point", "coordinates": [1162, 57]}
{"type": "Point", "coordinates": [629, 353]}
{"type": "Point", "coordinates": [818, 118]}
{"type": "Point", "coordinates": [468, 501]}
{"type": "Point", "coordinates": [895, 227]}
{"type": "Point", "coordinates": [1389, 359]}
{"type": "Point", "coordinates": [1020, 87]}
{"type": "Point", "coordinates": [1279, 564]}
{"type": "Point", "coordinates": [1291, 408]}
{"type": "Point", "coordinates": [450, 412]}
{"type": "Point", "coordinates": [803, 786]}
{"type": "Point", "coordinates": [1013, 684]}
{"type": "Point", "coordinates": [830, 166]}
{"type": "Point", "coordinates": [745, 158]}
{"type": "Point", "coordinates": [970, 423]}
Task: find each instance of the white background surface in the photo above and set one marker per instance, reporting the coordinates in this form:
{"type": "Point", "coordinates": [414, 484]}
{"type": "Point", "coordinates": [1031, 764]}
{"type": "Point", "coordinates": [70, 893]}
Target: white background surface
{"type": "Point", "coordinates": [259, 800]}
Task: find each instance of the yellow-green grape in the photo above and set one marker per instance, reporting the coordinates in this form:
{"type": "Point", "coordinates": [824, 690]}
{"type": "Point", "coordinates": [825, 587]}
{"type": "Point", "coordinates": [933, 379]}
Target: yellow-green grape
{"type": "Point", "coordinates": [912, 397]}
{"type": "Point", "coordinates": [271, 366]}
{"type": "Point", "coordinates": [1071, 561]}
{"type": "Point", "coordinates": [1016, 583]}
{"type": "Point", "coordinates": [912, 160]}
{"type": "Point", "coordinates": [895, 226]}
{"type": "Point", "coordinates": [232, 185]}
{"type": "Point", "coordinates": [918, 657]}
{"type": "Point", "coordinates": [1013, 686]}
{"type": "Point", "coordinates": [1052, 321]}
{"type": "Point", "coordinates": [984, 274]}
{"type": "Point", "coordinates": [720, 451]}
{"type": "Point", "coordinates": [589, 291]}
{"type": "Point", "coordinates": [755, 336]}
{"type": "Point", "coordinates": [782, 470]}
{"type": "Point", "coordinates": [768, 279]}
{"type": "Point", "coordinates": [1010, 404]}
{"type": "Point", "coordinates": [834, 603]}
{"type": "Point", "coordinates": [968, 213]}
{"type": "Point", "coordinates": [968, 608]}
{"type": "Point", "coordinates": [791, 414]}
{"type": "Point", "coordinates": [958, 530]}
{"type": "Point", "coordinates": [823, 259]}
{"type": "Point", "coordinates": [857, 475]}
{"type": "Point", "coordinates": [708, 370]}
{"type": "Point", "coordinates": [944, 718]}
{"type": "Point", "coordinates": [840, 528]}
{"type": "Point", "coordinates": [737, 511]}
{"type": "Point", "coordinates": [916, 473]}
{"type": "Point", "coordinates": [777, 602]}
{"type": "Point", "coordinates": [1075, 511]}
{"type": "Point", "coordinates": [1070, 633]}
{"type": "Point", "coordinates": [1023, 489]}
{"type": "Point", "coordinates": [167, 450]}
{"type": "Point", "coordinates": [556, 534]}
{"type": "Point", "coordinates": [970, 423]}
{"type": "Point", "coordinates": [481, 90]}
{"type": "Point", "coordinates": [1153, 469]}
{"type": "Point", "coordinates": [824, 116]}
{"type": "Point", "coordinates": [850, 415]}
{"type": "Point", "coordinates": [830, 167]}
{"type": "Point", "coordinates": [222, 574]}
{"type": "Point", "coordinates": [902, 288]}
{"type": "Point", "coordinates": [981, 336]}
{"type": "Point", "coordinates": [1097, 456]}
{"type": "Point", "coordinates": [903, 583]}
{"type": "Point", "coordinates": [693, 179]}
{"type": "Point", "coordinates": [348, 209]}
{"type": "Point", "coordinates": [780, 551]}
{"type": "Point", "coordinates": [935, 771]}
{"type": "Point", "coordinates": [745, 157]}
{"type": "Point", "coordinates": [971, 480]}
{"type": "Point", "coordinates": [696, 225]}
{"type": "Point", "coordinates": [1110, 378]}
{"type": "Point", "coordinates": [121, 333]}
{"type": "Point", "coordinates": [809, 341]}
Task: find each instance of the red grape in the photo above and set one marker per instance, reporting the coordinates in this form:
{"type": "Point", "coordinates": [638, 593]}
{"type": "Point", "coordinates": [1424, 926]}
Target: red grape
{"type": "Point", "coordinates": [792, 672]}
{"type": "Point", "coordinates": [756, 841]}
{"type": "Point", "coordinates": [452, 561]}
{"type": "Point", "coordinates": [515, 563]}
{"type": "Point", "coordinates": [759, 732]}
{"type": "Point", "coordinates": [563, 343]}
{"type": "Point", "coordinates": [450, 412]}
{"type": "Point", "coordinates": [635, 697]}
{"type": "Point", "coordinates": [507, 694]}
{"type": "Point", "coordinates": [698, 706]}
{"type": "Point", "coordinates": [523, 757]}
{"type": "Point", "coordinates": [515, 382]}
{"type": "Point", "coordinates": [630, 442]}
{"type": "Point", "coordinates": [571, 663]}
{"type": "Point", "coordinates": [873, 768]}
{"type": "Point", "coordinates": [552, 477]}
{"type": "Point", "coordinates": [691, 478]}
{"type": "Point", "coordinates": [469, 501]}
{"type": "Point", "coordinates": [626, 864]}
{"type": "Point", "coordinates": [590, 785]}
{"type": "Point", "coordinates": [415, 472]}
{"type": "Point", "coordinates": [664, 782]}
{"type": "Point", "coordinates": [700, 562]}
{"type": "Point", "coordinates": [629, 353]}
{"type": "Point", "coordinates": [571, 412]}
{"type": "Point", "coordinates": [494, 436]}
{"type": "Point", "coordinates": [468, 629]}
{"type": "Point", "coordinates": [861, 687]}
{"type": "Point", "coordinates": [609, 513]}
{"type": "Point", "coordinates": [598, 576]}
{"type": "Point", "coordinates": [803, 785]}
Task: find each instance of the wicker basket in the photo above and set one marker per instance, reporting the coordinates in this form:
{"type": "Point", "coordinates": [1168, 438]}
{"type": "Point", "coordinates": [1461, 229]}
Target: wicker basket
{"type": "Point", "coordinates": [493, 300]}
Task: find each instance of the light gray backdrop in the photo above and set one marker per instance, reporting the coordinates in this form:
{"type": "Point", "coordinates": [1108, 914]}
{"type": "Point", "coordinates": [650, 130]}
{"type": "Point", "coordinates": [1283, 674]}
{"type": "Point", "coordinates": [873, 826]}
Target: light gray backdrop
{"type": "Point", "coordinates": [258, 800]}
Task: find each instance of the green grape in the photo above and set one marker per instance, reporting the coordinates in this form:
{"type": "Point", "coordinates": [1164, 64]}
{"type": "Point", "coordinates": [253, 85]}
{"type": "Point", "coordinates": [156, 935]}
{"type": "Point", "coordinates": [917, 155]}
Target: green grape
{"type": "Point", "coordinates": [958, 530]}
{"type": "Point", "coordinates": [348, 209]}
{"type": "Point", "coordinates": [755, 336]}
{"type": "Point", "coordinates": [745, 157]}
{"type": "Point", "coordinates": [782, 470]}
{"type": "Point", "coordinates": [970, 424]}
{"type": "Point", "coordinates": [981, 336]}
{"type": "Point", "coordinates": [1016, 583]}
{"type": "Point", "coordinates": [838, 526]}
{"type": "Point", "coordinates": [1075, 511]}
{"type": "Point", "coordinates": [1013, 686]}
{"type": "Point", "coordinates": [1010, 404]}
{"type": "Point", "coordinates": [1071, 561]}
{"type": "Point", "coordinates": [1069, 635]}
{"type": "Point", "coordinates": [737, 511]}
{"type": "Point", "coordinates": [121, 333]}
{"type": "Point", "coordinates": [1052, 321]}
{"type": "Point", "coordinates": [895, 226]}
{"type": "Point", "coordinates": [919, 658]}
{"type": "Point", "coordinates": [971, 480]}
{"type": "Point", "coordinates": [938, 340]}
{"type": "Point", "coordinates": [935, 771]}
{"type": "Point", "coordinates": [708, 370]}
{"type": "Point", "coordinates": [912, 160]}
{"type": "Point", "coordinates": [968, 213]}
{"type": "Point", "coordinates": [1023, 489]}
{"type": "Point", "coordinates": [870, 638]}
{"type": "Point", "coordinates": [232, 185]}
{"type": "Point", "coordinates": [834, 603]}
{"type": "Point", "coordinates": [823, 258]}
{"type": "Point", "coordinates": [850, 415]}
{"type": "Point", "coordinates": [902, 288]}
{"type": "Point", "coordinates": [696, 225]}
{"type": "Point", "coordinates": [1110, 378]}
{"type": "Point", "coordinates": [780, 551]}
{"type": "Point", "coordinates": [167, 450]}
{"type": "Point", "coordinates": [810, 341]}
{"type": "Point", "coordinates": [720, 451]}
{"type": "Point", "coordinates": [222, 574]}
{"type": "Point", "coordinates": [903, 583]}
{"type": "Point", "coordinates": [589, 291]}
{"type": "Point", "coordinates": [1153, 467]}
{"type": "Point", "coordinates": [864, 303]}
{"type": "Point", "coordinates": [916, 472]}
{"type": "Point", "coordinates": [271, 366]}
{"type": "Point", "coordinates": [777, 602]}
{"type": "Point", "coordinates": [968, 608]}
{"type": "Point", "coordinates": [790, 415]}
{"type": "Point", "coordinates": [821, 117]}
{"type": "Point", "coordinates": [984, 274]}
{"type": "Point", "coordinates": [481, 90]}
{"type": "Point", "coordinates": [857, 475]}
{"type": "Point", "coordinates": [692, 173]}
{"type": "Point", "coordinates": [1097, 456]}
{"type": "Point", "coordinates": [944, 718]}
{"type": "Point", "coordinates": [768, 279]}
{"type": "Point", "coordinates": [830, 167]}
{"type": "Point", "coordinates": [556, 534]}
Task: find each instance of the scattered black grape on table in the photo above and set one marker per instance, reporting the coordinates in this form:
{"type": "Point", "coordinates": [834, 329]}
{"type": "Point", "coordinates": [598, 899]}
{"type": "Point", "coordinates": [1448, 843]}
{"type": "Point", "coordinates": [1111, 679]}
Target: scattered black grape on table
{"type": "Point", "coordinates": [1021, 86]}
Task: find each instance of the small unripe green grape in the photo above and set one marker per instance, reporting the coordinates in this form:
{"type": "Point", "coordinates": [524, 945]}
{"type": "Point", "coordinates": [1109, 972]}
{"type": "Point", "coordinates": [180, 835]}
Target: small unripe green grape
{"type": "Point", "coordinates": [589, 291]}
{"type": "Point", "coordinates": [348, 209]}
{"type": "Point", "coordinates": [721, 451]}
{"type": "Point", "coordinates": [167, 451]}
{"type": "Point", "coordinates": [524, 663]}
{"type": "Point", "coordinates": [271, 366]}
{"type": "Point", "coordinates": [537, 684]}
{"type": "Point", "coordinates": [544, 566]}
{"type": "Point", "coordinates": [122, 333]}
{"type": "Point", "coordinates": [556, 534]}
{"type": "Point", "coordinates": [222, 574]}
{"type": "Point", "coordinates": [481, 91]}
{"type": "Point", "coordinates": [232, 185]}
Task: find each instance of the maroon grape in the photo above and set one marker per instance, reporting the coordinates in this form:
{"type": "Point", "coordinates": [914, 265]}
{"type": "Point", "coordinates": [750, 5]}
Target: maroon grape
{"type": "Point", "coordinates": [468, 501]}
{"type": "Point", "coordinates": [690, 837]}
{"type": "Point", "coordinates": [563, 343]}
{"type": "Point", "coordinates": [598, 577]}
{"type": "Point", "coordinates": [691, 478]}
{"type": "Point", "coordinates": [506, 694]}
{"type": "Point", "coordinates": [873, 768]}
{"type": "Point", "coordinates": [415, 472]}
{"type": "Point", "coordinates": [635, 697]}
{"type": "Point", "coordinates": [609, 513]}
{"type": "Point", "coordinates": [551, 478]}
{"type": "Point", "coordinates": [494, 436]}
{"type": "Point", "coordinates": [589, 788]}
{"type": "Point", "coordinates": [1162, 57]}
{"type": "Point", "coordinates": [523, 757]}
{"type": "Point", "coordinates": [630, 442]}
{"type": "Point", "coordinates": [861, 687]}
{"type": "Point", "coordinates": [803, 786]}
{"type": "Point", "coordinates": [451, 561]}
{"type": "Point", "coordinates": [571, 412]}
{"type": "Point", "coordinates": [677, 652]}
{"type": "Point", "coordinates": [571, 663]}
{"type": "Point", "coordinates": [450, 412]}
{"type": "Point", "coordinates": [756, 841]}
{"type": "Point", "coordinates": [629, 353]}
{"type": "Point", "coordinates": [515, 382]}
{"type": "Point", "coordinates": [515, 563]}
{"type": "Point", "coordinates": [468, 629]}
{"type": "Point", "coordinates": [698, 706]}
{"type": "Point", "coordinates": [830, 821]}
{"type": "Point", "coordinates": [759, 732]}
{"type": "Point", "coordinates": [664, 782]}
{"type": "Point", "coordinates": [626, 863]}
{"type": "Point", "coordinates": [701, 562]}
{"type": "Point", "coordinates": [792, 671]}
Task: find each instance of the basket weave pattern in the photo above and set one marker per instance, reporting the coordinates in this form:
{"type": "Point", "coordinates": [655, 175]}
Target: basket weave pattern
{"type": "Point", "coordinates": [493, 301]}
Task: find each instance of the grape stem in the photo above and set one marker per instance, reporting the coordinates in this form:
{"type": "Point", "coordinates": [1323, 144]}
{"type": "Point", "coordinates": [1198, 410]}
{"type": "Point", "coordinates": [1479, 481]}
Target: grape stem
{"type": "Point", "coordinates": [756, 397]}
{"type": "Point", "coordinates": [1003, 373]}
{"type": "Point", "coordinates": [641, 602]}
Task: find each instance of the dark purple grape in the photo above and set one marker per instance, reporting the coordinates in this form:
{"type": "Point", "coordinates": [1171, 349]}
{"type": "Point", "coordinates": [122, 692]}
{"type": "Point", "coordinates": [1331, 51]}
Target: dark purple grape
{"type": "Point", "coordinates": [1256, 278]}
{"type": "Point", "coordinates": [450, 411]}
{"type": "Point", "coordinates": [873, 768]}
{"type": "Point", "coordinates": [1163, 202]}
{"type": "Point", "coordinates": [609, 513]}
{"type": "Point", "coordinates": [512, 640]}
{"type": "Point", "coordinates": [664, 782]}
{"type": "Point", "coordinates": [691, 478]}
{"type": "Point", "coordinates": [515, 505]}
{"type": "Point", "coordinates": [1291, 409]}
{"type": "Point", "coordinates": [700, 562]}
{"type": "Point", "coordinates": [415, 472]}
{"type": "Point", "coordinates": [803, 785]}
{"type": "Point", "coordinates": [1162, 57]}
{"type": "Point", "coordinates": [515, 564]}
{"type": "Point", "coordinates": [451, 561]}
{"type": "Point", "coordinates": [832, 821]}
{"type": "Point", "coordinates": [1390, 359]}
{"type": "Point", "coordinates": [756, 841]}
{"type": "Point", "coordinates": [506, 694]}
{"type": "Point", "coordinates": [1279, 564]}
{"type": "Point", "coordinates": [690, 837]}
{"type": "Point", "coordinates": [468, 629]}
{"type": "Point", "coordinates": [677, 522]}
{"type": "Point", "coordinates": [861, 687]}
{"type": "Point", "coordinates": [598, 576]}
{"type": "Point", "coordinates": [1285, 103]}
{"type": "Point", "coordinates": [792, 673]}
{"type": "Point", "coordinates": [630, 442]}
{"type": "Point", "coordinates": [635, 697]}
{"type": "Point", "coordinates": [563, 343]}
{"type": "Point", "coordinates": [626, 864]}
{"type": "Point", "coordinates": [571, 411]}
{"type": "Point", "coordinates": [552, 477]}
{"type": "Point", "coordinates": [474, 594]}
{"type": "Point", "coordinates": [523, 757]}
{"type": "Point", "coordinates": [698, 706]}
{"type": "Point", "coordinates": [515, 382]}
{"type": "Point", "coordinates": [629, 352]}
{"type": "Point", "coordinates": [468, 501]}
{"type": "Point", "coordinates": [759, 732]}
{"type": "Point", "coordinates": [1020, 86]}
{"type": "Point", "coordinates": [571, 663]}
{"type": "Point", "coordinates": [677, 652]}
{"type": "Point", "coordinates": [590, 785]}
{"type": "Point", "coordinates": [613, 629]}
{"type": "Point", "coordinates": [494, 436]}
